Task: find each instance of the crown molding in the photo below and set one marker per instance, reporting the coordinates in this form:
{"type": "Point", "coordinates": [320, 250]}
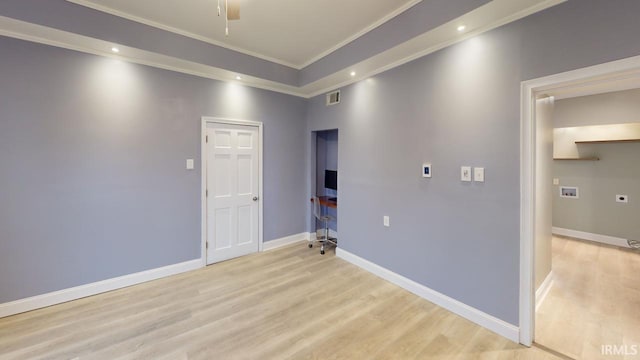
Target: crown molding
{"type": "Point", "coordinates": [361, 33]}
{"type": "Point", "coordinates": [45, 35]}
{"type": "Point", "coordinates": [489, 16]}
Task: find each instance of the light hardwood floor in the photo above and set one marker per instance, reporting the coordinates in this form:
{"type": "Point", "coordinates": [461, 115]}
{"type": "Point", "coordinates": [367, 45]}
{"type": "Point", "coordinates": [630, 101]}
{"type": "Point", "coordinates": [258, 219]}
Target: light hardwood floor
{"type": "Point", "coordinates": [595, 300]}
{"type": "Point", "coordinates": [290, 303]}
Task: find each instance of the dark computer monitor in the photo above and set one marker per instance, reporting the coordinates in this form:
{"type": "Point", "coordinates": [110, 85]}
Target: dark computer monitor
{"type": "Point", "coordinates": [331, 179]}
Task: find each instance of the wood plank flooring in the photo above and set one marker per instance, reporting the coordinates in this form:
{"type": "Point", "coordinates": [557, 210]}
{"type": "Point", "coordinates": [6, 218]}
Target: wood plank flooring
{"type": "Point", "coordinates": [290, 303]}
{"type": "Point", "coordinates": [594, 301]}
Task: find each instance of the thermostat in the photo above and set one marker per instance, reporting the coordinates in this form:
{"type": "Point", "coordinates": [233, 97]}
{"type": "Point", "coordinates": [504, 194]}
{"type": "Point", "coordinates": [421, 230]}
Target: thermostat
{"type": "Point", "coordinates": [426, 170]}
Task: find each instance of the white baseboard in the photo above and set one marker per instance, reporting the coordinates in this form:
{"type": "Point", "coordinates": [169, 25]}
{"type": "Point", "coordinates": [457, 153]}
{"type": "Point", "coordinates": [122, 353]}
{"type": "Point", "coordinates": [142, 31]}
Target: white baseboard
{"type": "Point", "coordinates": [78, 292]}
{"type": "Point", "coordinates": [604, 239]}
{"type": "Point", "coordinates": [544, 289]}
{"type": "Point", "coordinates": [483, 319]}
{"type": "Point", "coordinates": [287, 240]}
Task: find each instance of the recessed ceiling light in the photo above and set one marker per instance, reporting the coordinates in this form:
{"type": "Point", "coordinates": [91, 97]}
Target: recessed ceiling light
{"type": "Point", "coordinates": [353, 73]}
{"type": "Point", "coordinates": [238, 77]}
{"type": "Point", "coordinates": [461, 28]}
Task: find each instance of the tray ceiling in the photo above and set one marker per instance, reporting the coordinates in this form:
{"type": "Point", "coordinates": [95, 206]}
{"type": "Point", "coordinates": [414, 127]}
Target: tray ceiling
{"type": "Point", "coordinates": [293, 33]}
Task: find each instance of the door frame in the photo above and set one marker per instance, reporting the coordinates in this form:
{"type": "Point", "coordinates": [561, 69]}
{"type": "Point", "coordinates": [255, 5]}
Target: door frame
{"type": "Point", "coordinates": [203, 188]}
{"type": "Point", "coordinates": [589, 76]}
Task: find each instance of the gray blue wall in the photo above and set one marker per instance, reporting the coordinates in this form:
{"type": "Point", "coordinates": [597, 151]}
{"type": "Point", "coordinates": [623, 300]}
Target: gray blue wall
{"type": "Point", "coordinates": [459, 106]}
{"type": "Point", "coordinates": [92, 157]}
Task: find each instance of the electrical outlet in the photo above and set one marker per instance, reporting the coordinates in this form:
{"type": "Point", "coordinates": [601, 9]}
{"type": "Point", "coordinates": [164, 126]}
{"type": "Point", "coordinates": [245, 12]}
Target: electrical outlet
{"type": "Point", "coordinates": [622, 198]}
{"type": "Point", "coordinates": [385, 221]}
{"type": "Point", "coordinates": [465, 173]}
{"type": "Point", "coordinates": [190, 164]}
{"type": "Point", "coordinates": [556, 181]}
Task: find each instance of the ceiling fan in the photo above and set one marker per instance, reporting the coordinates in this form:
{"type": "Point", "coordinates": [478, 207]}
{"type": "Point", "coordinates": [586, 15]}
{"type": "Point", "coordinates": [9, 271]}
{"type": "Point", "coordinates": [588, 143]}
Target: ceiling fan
{"type": "Point", "coordinates": [231, 12]}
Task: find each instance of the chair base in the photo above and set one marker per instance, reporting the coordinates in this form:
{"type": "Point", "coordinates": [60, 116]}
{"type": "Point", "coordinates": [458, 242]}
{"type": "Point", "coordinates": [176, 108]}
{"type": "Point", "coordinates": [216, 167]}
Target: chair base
{"type": "Point", "coordinates": [324, 241]}
{"type": "Point", "coordinates": [324, 238]}
{"type": "Point", "coordinates": [333, 241]}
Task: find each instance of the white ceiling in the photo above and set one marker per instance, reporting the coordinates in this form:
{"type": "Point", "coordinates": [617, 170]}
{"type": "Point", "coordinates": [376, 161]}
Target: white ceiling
{"type": "Point", "coordinates": [290, 32]}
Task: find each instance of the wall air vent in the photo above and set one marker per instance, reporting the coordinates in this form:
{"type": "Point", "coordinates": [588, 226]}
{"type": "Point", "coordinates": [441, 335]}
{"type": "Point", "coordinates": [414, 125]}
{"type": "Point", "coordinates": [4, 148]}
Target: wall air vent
{"type": "Point", "coordinates": [333, 98]}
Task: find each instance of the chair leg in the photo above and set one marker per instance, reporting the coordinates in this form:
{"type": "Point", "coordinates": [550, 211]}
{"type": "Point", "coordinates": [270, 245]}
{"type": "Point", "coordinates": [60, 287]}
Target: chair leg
{"type": "Point", "coordinates": [326, 236]}
{"type": "Point", "coordinates": [317, 238]}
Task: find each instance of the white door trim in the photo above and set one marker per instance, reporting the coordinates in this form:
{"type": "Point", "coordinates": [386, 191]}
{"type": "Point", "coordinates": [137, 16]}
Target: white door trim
{"type": "Point", "coordinates": [203, 167]}
{"type": "Point", "coordinates": [629, 67]}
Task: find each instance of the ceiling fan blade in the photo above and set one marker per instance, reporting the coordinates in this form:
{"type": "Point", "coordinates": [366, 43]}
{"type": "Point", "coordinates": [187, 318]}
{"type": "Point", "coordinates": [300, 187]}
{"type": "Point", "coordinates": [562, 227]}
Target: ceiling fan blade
{"type": "Point", "coordinates": [233, 11]}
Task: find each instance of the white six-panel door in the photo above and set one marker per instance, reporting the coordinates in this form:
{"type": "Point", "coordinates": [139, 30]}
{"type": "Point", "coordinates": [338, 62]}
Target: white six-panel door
{"type": "Point", "coordinates": [233, 191]}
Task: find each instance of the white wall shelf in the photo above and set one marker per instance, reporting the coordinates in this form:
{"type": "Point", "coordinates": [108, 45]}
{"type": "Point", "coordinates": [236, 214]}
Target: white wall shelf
{"type": "Point", "coordinates": [580, 159]}
{"type": "Point", "coordinates": [606, 141]}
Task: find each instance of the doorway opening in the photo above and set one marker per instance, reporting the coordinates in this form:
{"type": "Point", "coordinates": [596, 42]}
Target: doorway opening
{"type": "Point", "coordinates": [577, 266]}
{"type": "Point", "coordinates": [325, 186]}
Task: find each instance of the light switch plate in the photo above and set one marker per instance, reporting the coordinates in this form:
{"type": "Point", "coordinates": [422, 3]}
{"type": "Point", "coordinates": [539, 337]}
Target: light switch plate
{"type": "Point", "coordinates": [190, 164]}
{"type": "Point", "coordinates": [385, 221]}
{"type": "Point", "coordinates": [465, 173]}
{"type": "Point", "coordinates": [556, 181]}
{"type": "Point", "coordinates": [478, 174]}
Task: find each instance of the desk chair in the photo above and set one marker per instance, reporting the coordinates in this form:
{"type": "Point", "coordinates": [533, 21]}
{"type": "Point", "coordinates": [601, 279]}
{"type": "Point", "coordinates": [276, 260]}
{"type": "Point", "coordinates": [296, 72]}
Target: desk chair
{"type": "Point", "coordinates": [317, 212]}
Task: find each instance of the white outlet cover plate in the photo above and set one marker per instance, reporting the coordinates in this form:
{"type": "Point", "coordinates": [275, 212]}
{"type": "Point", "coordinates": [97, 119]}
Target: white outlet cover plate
{"type": "Point", "coordinates": [478, 174]}
{"type": "Point", "coordinates": [556, 181]}
{"type": "Point", "coordinates": [465, 173]}
{"type": "Point", "coordinates": [190, 164]}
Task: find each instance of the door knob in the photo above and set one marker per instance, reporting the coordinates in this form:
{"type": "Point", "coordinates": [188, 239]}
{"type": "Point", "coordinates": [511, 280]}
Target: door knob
{"type": "Point", "coordinates": [255, 198]}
